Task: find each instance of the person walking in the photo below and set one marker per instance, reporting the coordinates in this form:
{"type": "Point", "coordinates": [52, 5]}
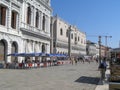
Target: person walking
{"type": "Point", "coordinates": [76, 61]}
{"type": "Point", "coordinates": [72, 60]}
{"type": "Point", "coordinates": [102, 68]}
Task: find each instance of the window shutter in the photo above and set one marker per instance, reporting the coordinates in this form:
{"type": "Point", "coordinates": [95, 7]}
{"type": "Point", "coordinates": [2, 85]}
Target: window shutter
{"type": "Point", "coordinates": [3, 15]}
{"type": "Point", "coordinates": [15, 14]}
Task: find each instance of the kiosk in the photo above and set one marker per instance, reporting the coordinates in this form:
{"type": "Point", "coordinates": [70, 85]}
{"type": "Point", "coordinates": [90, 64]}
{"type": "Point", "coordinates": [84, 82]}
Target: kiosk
{"type": "Point", "coordinates": [114, 79]}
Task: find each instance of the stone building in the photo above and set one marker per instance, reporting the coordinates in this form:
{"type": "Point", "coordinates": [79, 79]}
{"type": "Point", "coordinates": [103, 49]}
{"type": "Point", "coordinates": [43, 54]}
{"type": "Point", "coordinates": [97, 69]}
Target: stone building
{"type": "Point", "coordinates": [67, 39]}
{"type": "Point", "coordinates": [91, 48]}
{"type": "Point", "coordinates": [24, 27]}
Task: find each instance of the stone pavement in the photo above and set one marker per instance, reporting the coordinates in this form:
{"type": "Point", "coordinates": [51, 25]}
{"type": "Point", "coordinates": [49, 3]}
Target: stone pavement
{"type": "Point", "coordinates": [66, 77]}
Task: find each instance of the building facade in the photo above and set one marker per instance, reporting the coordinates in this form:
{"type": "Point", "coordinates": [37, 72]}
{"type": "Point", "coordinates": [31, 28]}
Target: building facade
{"type": "Point", "coordinates": [67, 39]}
{"type": "Point", "coordinates": [24, 27]}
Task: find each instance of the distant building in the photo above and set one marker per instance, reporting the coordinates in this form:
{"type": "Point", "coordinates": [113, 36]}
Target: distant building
{"type": "Point", "coordinates": [91, 48]}
{"type": "Point", "coordinates": [103, 51]}
{"type": "Point", "coordinates": [67, 39]}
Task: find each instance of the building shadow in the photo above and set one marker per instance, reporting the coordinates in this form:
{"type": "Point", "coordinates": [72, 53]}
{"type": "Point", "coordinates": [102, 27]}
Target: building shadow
{"type": "Point", "coordinates": [88, 80]}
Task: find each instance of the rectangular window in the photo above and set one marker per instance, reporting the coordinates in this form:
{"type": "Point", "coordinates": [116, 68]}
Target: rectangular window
{"type": "Point", "coordinates": [13, 19]}
{"type": "Point", "coordinates": [2, 15]}
{"type": "Point", "coordinates": [61, 31]}
{"type": "Point", "coordinates": [54, 45]}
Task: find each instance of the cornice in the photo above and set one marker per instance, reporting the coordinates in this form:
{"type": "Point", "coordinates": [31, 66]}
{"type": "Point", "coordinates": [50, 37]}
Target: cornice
{"type": "Point", "coordinates": [44, 4]}
{"type": "Point", "coordinates": [35, 34]}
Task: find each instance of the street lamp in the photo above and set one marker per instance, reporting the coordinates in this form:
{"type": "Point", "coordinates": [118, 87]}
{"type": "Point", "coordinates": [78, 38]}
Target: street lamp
{"type": "Point", "coordinates": [99, 42]}
{"type": "Point", "coordinates": [69, 41]}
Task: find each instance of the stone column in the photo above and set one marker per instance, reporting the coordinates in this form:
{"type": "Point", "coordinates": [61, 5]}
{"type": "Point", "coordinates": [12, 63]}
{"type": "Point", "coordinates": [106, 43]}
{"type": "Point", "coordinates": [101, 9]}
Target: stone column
{"type": "Point", "coordinates": [34, 44]}
{"type": "Point", "coordinates": [27, 46]}
{"type": "Point", "coordinates": [47, 24]}
{"type": "Point", "coordinates": [39, 26]}
{"type": "Point", "coordinates": [8, 17]}
{"type": "Point", "coordinates": [9, 51]}
{"type": "Point", "coordinates": [40, 49]}
{"type": "Point", "coordinates": [51, 34]}
{"type": "Point", "coordinates": [41, 18]}
{"type": "Point", "coordinates": [32, 16]}
{"type": "Point", "coordinates": [48, 48]}
{"type": "Point", "coordinates": [24, 14]}
{"type": "Point", "coordinates": [18, 21]}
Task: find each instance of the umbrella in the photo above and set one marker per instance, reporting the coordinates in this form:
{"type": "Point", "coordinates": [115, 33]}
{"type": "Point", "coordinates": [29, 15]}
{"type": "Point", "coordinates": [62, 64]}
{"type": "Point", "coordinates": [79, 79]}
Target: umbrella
{"type": "Point", "coordinates": [13, 54]}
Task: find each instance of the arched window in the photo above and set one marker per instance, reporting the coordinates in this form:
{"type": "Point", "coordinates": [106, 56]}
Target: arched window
{"type": "Point", "coordinates": [67, 33]}
{"type": "Point", "coordinates": [37, 19]}
{"type": "Point", "coordinates": [78, 38]}
{"type": "Point", "coordinates": [43, 48]}
{"type": "Point", "coordinates": [29, 15]}
{"type": "Point", "coordinates": [14, 49]}
{"type": "Point", "coordinates": [3, 50]}
{"type": "Point", "coordinates": [61, 31]}
{"type": "Point", "coordinates": [43, 22]}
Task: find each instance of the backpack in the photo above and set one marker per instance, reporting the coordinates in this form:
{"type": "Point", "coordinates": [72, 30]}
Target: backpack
{"type": "Point", "coordinates": [102, 66]}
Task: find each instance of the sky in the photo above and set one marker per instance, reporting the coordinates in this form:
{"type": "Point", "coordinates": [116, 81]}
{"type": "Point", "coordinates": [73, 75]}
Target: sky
{"type": "Point", "coordinates": [94, 17]}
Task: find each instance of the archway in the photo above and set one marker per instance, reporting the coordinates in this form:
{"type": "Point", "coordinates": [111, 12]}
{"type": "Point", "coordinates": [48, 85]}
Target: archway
{"type": "Point", "coordinates": [43, 51]}
{"type": "Point", "coordinates": [43, 48]}
{"type": "Point", "coordinates": [14, 49]}
{"type": "Point", "coordinates": [3, 51]}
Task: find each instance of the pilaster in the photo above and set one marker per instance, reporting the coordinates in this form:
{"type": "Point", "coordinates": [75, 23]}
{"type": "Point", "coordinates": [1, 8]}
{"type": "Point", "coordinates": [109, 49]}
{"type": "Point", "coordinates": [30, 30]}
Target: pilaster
{"type": "Point", "coordinates": [8, 17]}
{"type": "Point", "coordinates": [41, 19]}
{"type": "Point", "coordinates": [40, 47]}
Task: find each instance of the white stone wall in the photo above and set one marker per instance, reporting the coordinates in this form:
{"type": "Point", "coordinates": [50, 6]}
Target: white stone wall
{"type": "Point", "coordinates": [61, 24]}
{"type": "Point", "coordinates": [15, 35]}
{"type": "Point", "coordinates": [36, 5]}
{"type": "Point", "coordinates": [7, 33]}
{"type": "Point", "coordinates": [64, 26]}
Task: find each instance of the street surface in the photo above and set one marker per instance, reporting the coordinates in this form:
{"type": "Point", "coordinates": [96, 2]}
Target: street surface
{"type": "Point", "coordinates": [65, 77]}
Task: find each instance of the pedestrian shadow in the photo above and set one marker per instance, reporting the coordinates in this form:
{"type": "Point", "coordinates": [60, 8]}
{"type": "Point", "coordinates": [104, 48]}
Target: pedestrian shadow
{"type": "Point", "coordinates": [88, 80]}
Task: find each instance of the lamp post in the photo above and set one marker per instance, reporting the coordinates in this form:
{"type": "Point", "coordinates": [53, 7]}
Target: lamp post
{"type": "Point", "coordinates": [69, 41]}
{"type": "Point", "coordinates": [99, 42]}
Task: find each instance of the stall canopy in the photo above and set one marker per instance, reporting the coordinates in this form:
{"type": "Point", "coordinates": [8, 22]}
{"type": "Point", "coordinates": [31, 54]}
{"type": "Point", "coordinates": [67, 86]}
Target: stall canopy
{"type": "Point", "coordinates": [13, 54]}
{"type": "Point", "coordinates": [57, 55]}
{"type": "Point", "coordinates": [17, 54]}
{"type": "Point", "coordinates": [36, 54]}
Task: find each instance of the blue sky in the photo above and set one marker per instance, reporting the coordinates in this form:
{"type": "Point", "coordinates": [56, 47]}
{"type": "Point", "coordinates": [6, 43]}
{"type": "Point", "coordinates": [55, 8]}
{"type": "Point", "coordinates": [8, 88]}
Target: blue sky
{"type": "Point", "coordinates": [95, 17]}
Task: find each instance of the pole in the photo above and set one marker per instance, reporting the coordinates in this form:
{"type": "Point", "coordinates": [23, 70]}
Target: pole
{"type": "Point", "coordinates": [69, 42]}
{"type": "Point", "coordinates": [106, 46]}
{"type": "Point", "coordinates": [99, 42]}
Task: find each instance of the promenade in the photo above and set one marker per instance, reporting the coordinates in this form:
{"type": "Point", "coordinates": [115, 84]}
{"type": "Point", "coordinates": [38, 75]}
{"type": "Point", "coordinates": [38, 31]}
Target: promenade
{"type": "Point", "coordinates": [65, 77]}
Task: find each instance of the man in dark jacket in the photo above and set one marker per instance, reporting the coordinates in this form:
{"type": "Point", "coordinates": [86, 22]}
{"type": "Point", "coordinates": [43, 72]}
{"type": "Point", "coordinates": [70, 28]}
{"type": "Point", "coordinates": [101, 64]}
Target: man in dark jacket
{"type": "Point", "coordinates": [102, 68]}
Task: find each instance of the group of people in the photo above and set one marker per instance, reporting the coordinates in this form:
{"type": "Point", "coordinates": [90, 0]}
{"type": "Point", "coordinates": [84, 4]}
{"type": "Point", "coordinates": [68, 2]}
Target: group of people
{"type": "Point", "coordinates": [73, 60]}
{"type": "Point", "coordinates": [102, 65]}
